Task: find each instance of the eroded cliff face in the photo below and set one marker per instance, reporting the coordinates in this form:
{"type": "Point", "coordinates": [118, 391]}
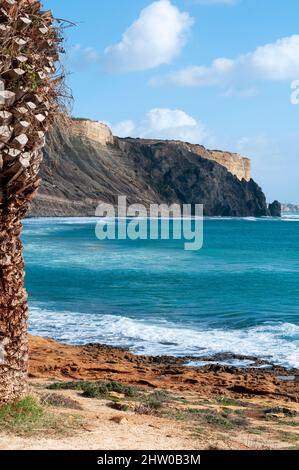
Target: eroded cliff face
{"type": "Point", "coordinates": [236, 164]}
{"type": "Point", "coordinates": [99, 132]}
{"type": "Point", "coordinates": [80, 171]}
{"type": "Point", "coordinates": [93, 130]}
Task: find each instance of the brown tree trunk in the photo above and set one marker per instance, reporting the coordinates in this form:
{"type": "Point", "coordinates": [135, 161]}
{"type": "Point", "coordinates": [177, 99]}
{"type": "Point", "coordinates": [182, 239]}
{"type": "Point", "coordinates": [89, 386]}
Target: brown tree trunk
{"type": "Point", "coordinates": [13, 296]}
{"type": "Point", "coordinates": [30, 43]}
{"type": "Point", "coordinates": [13, 313]}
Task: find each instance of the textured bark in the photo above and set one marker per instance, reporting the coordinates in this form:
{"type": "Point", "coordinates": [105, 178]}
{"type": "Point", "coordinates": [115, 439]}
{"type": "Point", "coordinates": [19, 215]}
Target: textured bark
{"type": "Point", "coordinates": [13, 296]}
{"type": "Point", "coordinates": [29, 46]}
{"type": "Point", "coordinates": [14, 313]}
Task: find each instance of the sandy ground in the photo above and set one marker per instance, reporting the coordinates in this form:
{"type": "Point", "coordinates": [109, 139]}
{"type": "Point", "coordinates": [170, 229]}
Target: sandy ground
{"type": "Point", "coordinates": [107, 429]}
{"type": "Point", "coordinates": [101, 432]}
{"type": "Point", "coordinates": [264, 408]}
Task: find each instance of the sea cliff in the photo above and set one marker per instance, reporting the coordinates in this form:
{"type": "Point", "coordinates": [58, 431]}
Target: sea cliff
{"type": "Point", "coordinates": [88, 165]}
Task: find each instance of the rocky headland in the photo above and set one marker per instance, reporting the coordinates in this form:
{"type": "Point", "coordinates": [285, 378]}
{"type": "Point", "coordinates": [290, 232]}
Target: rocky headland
{"type": "Point", "coordinates": [85, 164]}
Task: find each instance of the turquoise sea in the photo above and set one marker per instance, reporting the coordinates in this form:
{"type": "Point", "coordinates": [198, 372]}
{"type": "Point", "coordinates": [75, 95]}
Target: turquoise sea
{"type": "Point", "coordinates": [239, 294]}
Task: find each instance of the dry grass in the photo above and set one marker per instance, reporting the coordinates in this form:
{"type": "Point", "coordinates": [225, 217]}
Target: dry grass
{"type": "Point", "coordinates": [29, 417]}
{"type": "Point", "coordinates": [220, 422]}
{"type": "Point", "coordinates": [60, 401]}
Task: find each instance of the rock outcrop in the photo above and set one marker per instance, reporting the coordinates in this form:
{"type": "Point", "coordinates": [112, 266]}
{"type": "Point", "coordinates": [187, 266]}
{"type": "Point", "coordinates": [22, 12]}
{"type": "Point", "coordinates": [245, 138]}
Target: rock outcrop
{"type": "Point", "coordinates": [52, 360]}
{"type": "Point", "coordinates": [99, 132]}
{"type": "Point", "coordinates": [93, 130]}
{"type": "Point", "coordinates": [275, 209]}
{"type": "Point", "coordinates": [236, 164]}
{"type": "Point", "coordinates": [89, 166]}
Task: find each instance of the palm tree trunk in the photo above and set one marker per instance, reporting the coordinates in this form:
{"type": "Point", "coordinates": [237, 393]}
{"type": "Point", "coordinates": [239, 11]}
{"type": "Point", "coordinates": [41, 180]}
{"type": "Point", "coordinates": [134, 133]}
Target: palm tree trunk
{"type": "Point", "coordinates": [13, 296]}
{"type": "Point", "coordinates": [30, 43]}
{"type": "Point", "coordinates": [13, 312]}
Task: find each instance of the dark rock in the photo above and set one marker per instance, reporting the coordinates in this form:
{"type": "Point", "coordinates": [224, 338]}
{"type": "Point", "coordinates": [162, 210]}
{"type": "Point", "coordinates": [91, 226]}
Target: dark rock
{"type": "Point", "coordinates": [280, 410]}
{"type": "Point", "coordinates": [275, 209]}
{"type": "Point", "coordinates": [191, 381]}
{"type": "Point", "coordinates": [248, 390]}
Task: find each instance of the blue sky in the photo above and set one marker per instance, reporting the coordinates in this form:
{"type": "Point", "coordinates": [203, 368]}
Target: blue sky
{"type": "Point", "coordinates": [214, 72]}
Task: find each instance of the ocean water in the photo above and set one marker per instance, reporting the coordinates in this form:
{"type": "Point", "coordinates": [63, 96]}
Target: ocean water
{"type": "Point", "coordinates": [239, 294]}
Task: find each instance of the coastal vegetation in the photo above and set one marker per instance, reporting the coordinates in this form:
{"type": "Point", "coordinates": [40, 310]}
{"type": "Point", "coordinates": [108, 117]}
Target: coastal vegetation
{"type": "Point", "coordinates": [80, 396]}
{"type": "Point", "coordinates": [64, 413]}
{"type": "Point", "coordinates": [30, 416]}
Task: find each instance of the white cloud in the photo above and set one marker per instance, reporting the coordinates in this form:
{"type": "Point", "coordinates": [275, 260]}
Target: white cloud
{"type": "Point", "coordinates": [124, 128]}
{"type": "Point", "coordinates": [276, 61]}
{"type": "Point", "coordinates": [91, 54]}
{"type": "Point", "coordinates": [161, 119]}
{"type": "Point", "coordinates": [79, 54]}
{"type": "Point", "coordinates": [164, 123]}
{"type": "Point", "coordinates": [155, 38]}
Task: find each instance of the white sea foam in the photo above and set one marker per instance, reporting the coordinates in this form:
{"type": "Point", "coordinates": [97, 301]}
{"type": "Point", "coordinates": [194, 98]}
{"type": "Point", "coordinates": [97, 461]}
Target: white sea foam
{"type": "Point", "coordinates": [290, 217]}
{"type": "Point", "coordinates": [278, 343]}
{"type": "Point", "coordinates": [93, 220]}
{"type": "Point", "coordinates": [60, 220]}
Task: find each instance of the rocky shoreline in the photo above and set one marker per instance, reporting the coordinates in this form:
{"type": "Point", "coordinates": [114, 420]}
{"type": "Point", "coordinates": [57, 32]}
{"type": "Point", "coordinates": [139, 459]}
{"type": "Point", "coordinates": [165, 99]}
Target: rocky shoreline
{"type": "Point", "coordinates": [97, 397]}
{"type": "Point", "coordinates": [52, 360]}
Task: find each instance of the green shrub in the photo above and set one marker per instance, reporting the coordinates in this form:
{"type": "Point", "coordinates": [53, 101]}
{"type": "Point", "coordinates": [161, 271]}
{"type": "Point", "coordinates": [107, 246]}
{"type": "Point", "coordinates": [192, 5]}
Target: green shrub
{"type": "Point", "coordinates": [95, 389]}
{"type": "Point", "coordinates": [118, 406]}
{"type": "Point", "coordinates": [28, 417]}
{"type": "Point", "coordinates": [226, 401]}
